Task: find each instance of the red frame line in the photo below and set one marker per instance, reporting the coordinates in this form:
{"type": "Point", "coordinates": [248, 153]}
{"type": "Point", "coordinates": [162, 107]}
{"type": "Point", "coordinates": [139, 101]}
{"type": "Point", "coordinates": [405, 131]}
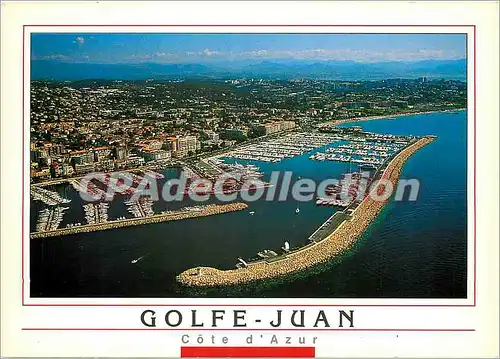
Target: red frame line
{"type": "Point", "coordinates": [475, 252]}
{"type": "Point", "coordinates": [245, 305]}
{"type": "Point", "coordinates": [247, 352]}
{"type": "Point", "coordinates": [249, 305]}
{"type": "Point", "coordinates": [242, 25]}
{"type": "Point", "coordinates": [263, 329]}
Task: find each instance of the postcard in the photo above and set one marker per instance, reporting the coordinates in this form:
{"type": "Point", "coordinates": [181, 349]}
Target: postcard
{"type": "Point", "coordinates": [180, 181]}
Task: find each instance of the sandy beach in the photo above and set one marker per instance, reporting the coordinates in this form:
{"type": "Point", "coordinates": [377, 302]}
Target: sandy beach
{"type": "Point", "coordinates": [381, 117]}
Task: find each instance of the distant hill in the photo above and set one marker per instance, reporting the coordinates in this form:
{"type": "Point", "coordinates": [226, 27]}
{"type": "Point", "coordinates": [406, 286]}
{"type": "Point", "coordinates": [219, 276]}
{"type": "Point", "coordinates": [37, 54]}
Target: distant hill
{"type": "Point", "coordinates": [331, 70]}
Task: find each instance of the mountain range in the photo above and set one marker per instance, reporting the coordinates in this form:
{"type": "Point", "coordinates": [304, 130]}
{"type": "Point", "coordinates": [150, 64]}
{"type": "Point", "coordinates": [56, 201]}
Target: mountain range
{"type": "Point", "coordinates": [291, 69]}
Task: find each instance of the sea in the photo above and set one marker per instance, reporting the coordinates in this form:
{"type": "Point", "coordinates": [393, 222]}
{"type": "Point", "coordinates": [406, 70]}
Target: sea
{"type": "Point", "coordinates": [414, 249]}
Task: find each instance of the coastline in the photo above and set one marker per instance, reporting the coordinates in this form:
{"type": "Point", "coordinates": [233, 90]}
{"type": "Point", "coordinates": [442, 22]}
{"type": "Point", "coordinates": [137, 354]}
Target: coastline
{"type": "Point", "coordinates": [381, 117]}
{"type": "Point", "coordinates": [342, 238]}
{"type": "Point", "coordinates": [329, 123]}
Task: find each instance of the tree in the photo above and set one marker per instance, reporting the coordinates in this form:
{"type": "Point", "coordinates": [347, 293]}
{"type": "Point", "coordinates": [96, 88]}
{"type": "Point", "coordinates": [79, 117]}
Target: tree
{"type": "Point", "coordinates": [257, 131]}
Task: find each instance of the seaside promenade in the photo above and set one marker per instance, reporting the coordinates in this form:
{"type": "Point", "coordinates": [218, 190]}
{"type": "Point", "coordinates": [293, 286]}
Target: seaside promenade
{"type": "Point", "coordinates": [209, 210]}
{"type": "Point", "coordinates": [386, 116]}
{"type": "Point", "coordinates": [383, 117]}
{"type": "Point", "coordinates": [343, 237]}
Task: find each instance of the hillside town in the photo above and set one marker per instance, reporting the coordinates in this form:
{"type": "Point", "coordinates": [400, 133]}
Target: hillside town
{"type": "Point", "coordinates": [86, 126]}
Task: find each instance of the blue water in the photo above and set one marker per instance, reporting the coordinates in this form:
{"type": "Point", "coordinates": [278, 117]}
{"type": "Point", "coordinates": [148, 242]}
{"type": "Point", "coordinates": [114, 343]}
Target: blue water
{"type": "Point", "coordinates": [413, 249]}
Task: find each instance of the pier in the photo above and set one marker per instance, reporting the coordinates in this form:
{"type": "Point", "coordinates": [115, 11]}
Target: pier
{"type": "Point", "coordinates": [186, 213]}
{"type": "Point", "coordinates": [88, 188]}
{"type": "Point", "coordinates": [50, 218]}
{"type": "Point", "coordinates": [96, 213]}
{"type": "Point", "coordinates": [142, 207]}
{"type": "Point", "coordinates": [50, 198]}
{"type": "Point", "coordinates": [141, 169]}
{"type": "Point", "coordinates": [323, 246]}
{"type": "Point", "coordinates": [364, 148]}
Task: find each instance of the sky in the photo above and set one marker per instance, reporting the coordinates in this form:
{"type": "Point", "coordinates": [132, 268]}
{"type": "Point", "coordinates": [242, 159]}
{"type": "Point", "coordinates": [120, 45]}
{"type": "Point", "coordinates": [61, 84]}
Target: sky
{"type": "Point", "coordinates": [200, 48]}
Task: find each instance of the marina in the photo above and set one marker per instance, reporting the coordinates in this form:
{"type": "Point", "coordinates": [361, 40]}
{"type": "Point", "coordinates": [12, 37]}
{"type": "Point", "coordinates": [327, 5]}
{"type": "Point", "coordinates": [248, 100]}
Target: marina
{"type": "Point", "coordinates": [124, 183]}
{"type": "Point", "coordinates": [89, 188]}
{"type": "Point", "coordinates": [208, 210]}
{"type": "Point", "coordinates": [365, 149]}
{"type": "Point", "coordinates": [142, 207]}
{"type": "Point", "coordinates": [116, 182]}
{"type": "Point", "coordinates": [50, 218]}
{"type": "Point", "coordinates": [288, 146]}
{"type": "Point", "coordinates": [311, 161]}
{"type": "Point", "coordinates": [350, 190]}
{"type": "Point", "coordinates": [324, 244]}
{"type": "Point", "coordinates": [55, 273]}
{"type": "Point", "coordinates": [243, 172]}
{"type": "Point", "coordinates": [230, 178]}
{"type": "Point", "coordinates": [48, 197]}
{"type": "Point", "coordinates": [96, 213]}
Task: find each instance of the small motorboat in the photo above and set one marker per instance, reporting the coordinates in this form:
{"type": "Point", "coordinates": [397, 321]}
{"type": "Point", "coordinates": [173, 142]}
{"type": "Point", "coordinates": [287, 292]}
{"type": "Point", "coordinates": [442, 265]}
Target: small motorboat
{"type": "Point", "coordinates": [134, 261]}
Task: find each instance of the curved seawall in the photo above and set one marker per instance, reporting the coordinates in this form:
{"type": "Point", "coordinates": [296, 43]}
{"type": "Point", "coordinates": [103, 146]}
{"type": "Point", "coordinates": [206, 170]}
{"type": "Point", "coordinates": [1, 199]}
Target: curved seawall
{"type": "Point", "coordinates": [334, 244]}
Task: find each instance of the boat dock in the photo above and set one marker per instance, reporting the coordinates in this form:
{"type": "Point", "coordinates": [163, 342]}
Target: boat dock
{"type": "Point", "coordinates": [202, 211]}
{"type": "Point", "coordinates": [88, 188]}
{"type": "Point", "coordinates": [365, 149]}
{"type": "Point", "coordinates": [142, 207]}
{"type": "Point", "coordinates": [96, 213]}
{"type": "Point", "coordinates": [275, 150]}
{"type": "Point", "coordinates": [49, 219]}
{"type": "Point", "coordinates": [50, 198]}
{"type": "Point", "coordinates": [336, 235]}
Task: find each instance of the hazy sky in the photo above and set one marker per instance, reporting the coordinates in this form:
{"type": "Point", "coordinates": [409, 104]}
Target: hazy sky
{"type": "Point", "coordinates": [110, 48]}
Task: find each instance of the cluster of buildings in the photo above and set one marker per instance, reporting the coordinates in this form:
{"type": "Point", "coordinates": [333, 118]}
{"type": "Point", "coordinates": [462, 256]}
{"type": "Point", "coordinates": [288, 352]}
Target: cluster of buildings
{"type": "Point", "coordinates": [257, 130]}
{"type": "Point", "coordinates": [51, 160]}
{"type": "Point", "coordinates": [78, 127]}
{"type": "Point", "coordinates": [164, 149]}
{"type": "Point", "coordinates": [273, 127]}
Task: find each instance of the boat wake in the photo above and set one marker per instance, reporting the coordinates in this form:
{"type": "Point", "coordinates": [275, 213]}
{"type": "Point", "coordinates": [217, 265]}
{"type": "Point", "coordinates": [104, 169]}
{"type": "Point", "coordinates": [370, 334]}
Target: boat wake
{"type": "Point", "coordinates": [134, 261]}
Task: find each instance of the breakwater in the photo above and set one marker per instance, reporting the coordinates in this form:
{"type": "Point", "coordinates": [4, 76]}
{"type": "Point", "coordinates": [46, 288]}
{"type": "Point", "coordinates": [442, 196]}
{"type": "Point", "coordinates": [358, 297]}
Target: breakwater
{"type": "Point", "coordinates": [204, 211]}
{"type": "Point", "coordinates": [333, 244]}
